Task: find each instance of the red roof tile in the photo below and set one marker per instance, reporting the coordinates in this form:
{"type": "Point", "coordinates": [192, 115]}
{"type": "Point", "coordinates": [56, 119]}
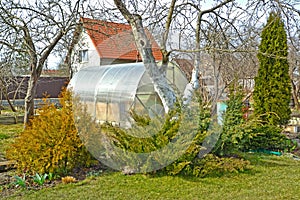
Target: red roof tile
{"type": "Point", "coordinates": [115, 40]}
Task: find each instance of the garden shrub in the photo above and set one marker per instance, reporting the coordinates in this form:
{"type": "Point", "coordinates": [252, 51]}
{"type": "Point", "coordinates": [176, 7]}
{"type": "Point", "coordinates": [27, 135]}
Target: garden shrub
{"type": "Point", "coordinates": [231, 134]}
{"type": "Point", "coordinates": [239, 134]}
{"type": "Point", "coordinates": [161, 132]}
{"type": "Point", "coordinates": [50, 143]}
{"type": "Point", "coordinates": [146, 136]}
{"type": "Point", "coordinates": [259, 136]}
{"type": "Point", "coordinates": [212, 165]}
{"type": "Point", "coordinates": [254, 135]}
{"type": "Point", "coordinates": [187, 160]}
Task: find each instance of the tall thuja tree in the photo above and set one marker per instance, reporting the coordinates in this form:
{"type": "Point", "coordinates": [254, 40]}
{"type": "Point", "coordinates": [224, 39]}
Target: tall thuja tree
{"type": "Point", "coordinates": [272, 91]}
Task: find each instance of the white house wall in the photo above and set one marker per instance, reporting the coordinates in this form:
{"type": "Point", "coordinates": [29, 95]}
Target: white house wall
{"type": "Point", "coordinates": [85, 43]}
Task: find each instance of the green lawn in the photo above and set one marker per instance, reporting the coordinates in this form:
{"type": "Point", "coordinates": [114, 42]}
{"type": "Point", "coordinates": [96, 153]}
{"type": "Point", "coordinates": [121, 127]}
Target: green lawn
{"type": "Point", "coordinates": [7, 135]}
{"type": "Point", "coordinates": [271, 178]}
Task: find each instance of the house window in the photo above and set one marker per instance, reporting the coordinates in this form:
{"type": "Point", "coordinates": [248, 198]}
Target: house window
{"type": "Point", "coordinates": [83, 56]}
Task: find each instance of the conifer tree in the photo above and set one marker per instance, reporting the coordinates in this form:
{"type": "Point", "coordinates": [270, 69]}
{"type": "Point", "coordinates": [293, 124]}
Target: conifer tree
{"type": "Point", "coordinates": [233, 119]}
{"type": "Point", "coordinates": [272, 91]}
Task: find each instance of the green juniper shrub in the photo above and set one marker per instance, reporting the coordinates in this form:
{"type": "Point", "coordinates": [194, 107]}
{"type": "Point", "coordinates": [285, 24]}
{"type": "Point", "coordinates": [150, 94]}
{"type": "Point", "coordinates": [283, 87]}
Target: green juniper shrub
{"type": "Point", "coordinates": [239, 134]}
{"type": "Point", "coordinates": [265, 137]}
{"type": "Point", "coordinates": [212, 165]}
{"type": "Point", "coordinates": [149, 135]}
{"type": "Point", "coordinates": [140, 120]}
{"type": "Point", "coordinates": [144, 136]}
{"type": "Point", "coordinates": [255, 135]}
{"type": "Point", "coordinates": [187, 161]}
{"type": "Point", "coordinates": [162, 131]}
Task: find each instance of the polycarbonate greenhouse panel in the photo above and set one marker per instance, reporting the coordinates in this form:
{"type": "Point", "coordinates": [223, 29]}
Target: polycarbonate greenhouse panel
{"type": "Point", "coordinates": [176, 76]}
{"type": "Point", "coordinates": [110, 91]}
{"type": "Point", "coordinates": [107, 83]}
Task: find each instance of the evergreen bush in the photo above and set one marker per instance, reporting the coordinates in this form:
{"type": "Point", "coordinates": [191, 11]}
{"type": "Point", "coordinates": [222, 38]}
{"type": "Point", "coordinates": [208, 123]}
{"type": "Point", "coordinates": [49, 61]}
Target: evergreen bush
{"type": "Point", "coordinates": [239, 134]}
{"type": "Point", "coordinates": [163, 131]}
{"type": "Point", "coordinates": [260, 136]}
{"type": "Point", "coordinates": [212, 165]}
{"type": "Point", "coordinates": [50, 144]}
{"type": "Point", "coordinates": [232, 135]}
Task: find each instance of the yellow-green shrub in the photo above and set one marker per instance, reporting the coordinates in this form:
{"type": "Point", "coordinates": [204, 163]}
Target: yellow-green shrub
{"type": "Point", "coordinates": [50, 143]}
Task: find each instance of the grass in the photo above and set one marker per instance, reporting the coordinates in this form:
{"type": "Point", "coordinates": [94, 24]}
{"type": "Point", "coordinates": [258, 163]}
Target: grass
{"type": "Point", "coordinates": [272, 177]}
{"type": "Point", "coordinates": [7, 135]}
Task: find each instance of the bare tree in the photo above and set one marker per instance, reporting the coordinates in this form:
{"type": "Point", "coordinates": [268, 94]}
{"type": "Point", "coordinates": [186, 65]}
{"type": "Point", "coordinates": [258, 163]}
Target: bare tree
{"type": "Point", "coordinates": [35, 29]}
{"type": "Point", "coordinates": [294, 61]}
{"type": "Point", "coordinates": [10, 83]}
{"type": "Point", "coordinates": [6, 80]}
{"type": "Point", "coordinates": [176, 9]}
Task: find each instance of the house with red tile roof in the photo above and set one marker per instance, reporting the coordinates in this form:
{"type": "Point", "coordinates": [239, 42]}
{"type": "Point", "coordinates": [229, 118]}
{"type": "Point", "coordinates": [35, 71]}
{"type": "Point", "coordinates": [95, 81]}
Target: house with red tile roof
{"type": "Point", "coordinates": [103, 43]}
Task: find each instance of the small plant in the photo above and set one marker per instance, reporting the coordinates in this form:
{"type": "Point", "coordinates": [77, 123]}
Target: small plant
{"type": "Point", "coordinates": [68, 179]}
{"type": "Point", "coordinates": [20, 181]}
{"type": "Point", "coordinates": [51, 176]}
{"type": "Point", "coordinates": [40, 179]}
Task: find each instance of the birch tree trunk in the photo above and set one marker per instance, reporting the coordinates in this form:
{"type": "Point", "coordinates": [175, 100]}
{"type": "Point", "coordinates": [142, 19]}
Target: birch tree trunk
{"type": "Point", "coordinates": [194, 82]}
{"type": "Point", "coordinates": [161, 86]}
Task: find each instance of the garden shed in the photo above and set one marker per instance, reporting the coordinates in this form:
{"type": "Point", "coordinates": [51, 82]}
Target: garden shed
{"type": "Point", "coordinates": [111, 91]}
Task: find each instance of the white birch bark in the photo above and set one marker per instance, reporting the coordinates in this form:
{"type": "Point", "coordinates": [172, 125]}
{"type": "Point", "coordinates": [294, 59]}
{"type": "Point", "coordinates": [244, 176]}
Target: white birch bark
{"type": "Point", "coordinates": [161, 86]}
{"type": "Point", "coordinates": [194, 82]}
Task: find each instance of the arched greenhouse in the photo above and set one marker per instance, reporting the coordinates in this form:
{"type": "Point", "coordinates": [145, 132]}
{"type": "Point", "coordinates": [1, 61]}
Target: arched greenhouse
{"type": "Point", "coordinates": [110, 91]}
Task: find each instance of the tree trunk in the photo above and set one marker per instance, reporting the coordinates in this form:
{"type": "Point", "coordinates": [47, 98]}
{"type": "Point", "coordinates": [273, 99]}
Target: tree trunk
{"type": "Point", "coordinates": [29, 99]}
{"type": "Point", "coordinates": [5, 93]}
{"type": "Point", "coordinates": [163, 46]}
{"type": "Point", "coordinates": [194, 82]}
{"type": "Point", "coordinates": [67, 61]}
{"type": "Point", "coordinates": [161, 86]}
{"type": "Point", "coordinates": [10, 104]}
{"type": "Point", "coordinates": [295, 97]}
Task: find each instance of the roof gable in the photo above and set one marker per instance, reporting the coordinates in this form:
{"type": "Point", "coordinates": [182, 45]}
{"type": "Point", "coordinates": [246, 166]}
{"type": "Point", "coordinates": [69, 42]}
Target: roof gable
{"type": "Point", "coordinates": [115, 40]}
